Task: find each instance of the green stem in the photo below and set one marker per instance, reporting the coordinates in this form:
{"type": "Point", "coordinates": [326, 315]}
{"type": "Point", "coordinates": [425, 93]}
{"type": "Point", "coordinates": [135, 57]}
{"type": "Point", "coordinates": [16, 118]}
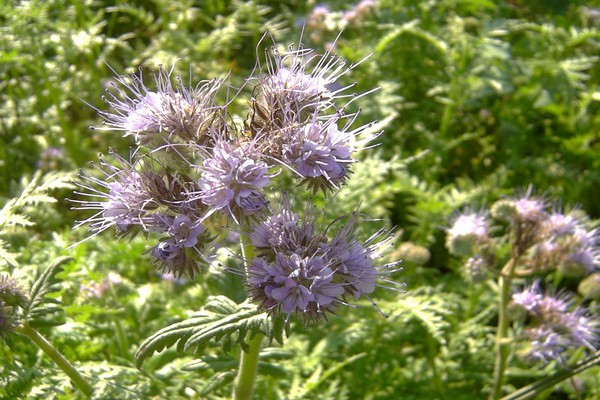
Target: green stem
{"type": "Point", "coordinates": [246, 377]}
{"type": "Point", "coordinates": [244, 382]}
{"type": "Point", "coordinates": [502, 342]}
{"type": "Point", "coordinates": [64, 364]}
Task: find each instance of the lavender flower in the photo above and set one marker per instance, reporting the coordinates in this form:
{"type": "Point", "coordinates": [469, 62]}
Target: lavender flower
{"type": "Point", "coordinates": [155, 118]}
{"type": "Point", "coordinates": [557, 327]}
{"type": "Point", "coordinates": [11, 297]}
{"type": "Point", "coordinates": [300, 271]}
{"type": "Point", "coordinates": [126, 202]}
{"type": "Point", "coordinates": [468, 230]}
{"type": "Point", "coordinates": [283, 232]}
{"type": "Point", "coordinates": [11, 293]}
{"type": "Point", "coordinates": [232, 179]}
{"type": "Point", "coordinates": [320, 154]}
{"type": "Point", "coordinates": [223, 169]}
{"type": "Point", "coordinates": [184, 231]}
{"type": "Point", "coordinates": [475, 268]}
{"type": "Point", "coordinates": [295, 284]}
{"type": "Point", "coordinates": [562, 242]}
{"type": "Point", "coordinates": [182, 252]}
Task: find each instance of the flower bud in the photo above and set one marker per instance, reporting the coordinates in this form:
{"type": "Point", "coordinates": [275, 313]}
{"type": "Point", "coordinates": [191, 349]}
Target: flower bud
{"type": "Point", "coordinates": [503, 210]}
{"type": "Point", "coordinates": [411, 253]}
{"type": "Point", "coordinates": [467, 231]}
{"type": "Point", "coordinates": [11, 294]}
{"type": "Point", "coordinates": [475, 267]}
{"type": "Point", "coordinates": [590, 287]}
{"type": "Point", "coordinates": [7, 322]}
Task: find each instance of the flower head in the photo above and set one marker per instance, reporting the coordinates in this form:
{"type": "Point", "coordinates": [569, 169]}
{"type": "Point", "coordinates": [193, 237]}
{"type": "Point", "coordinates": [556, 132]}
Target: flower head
{"type": "Point", "coordinates": [300, 271]}
{"type": "Point", "coordinates": [558, 326]}
{"type": "Point", "coordinates": [8, 323]}
{"type": "Point", "coordinates": [468, 230]}
{"type": "Point", "coordinates": [320, 154]}
{"type": "Point", "coordinates": [232, 179]}
{"type": "Point", "coordinates": [170, 113]}
{"type": "Point", "coordinates": [11, 293]}
{"type": "Point", "coordinates": [126, 199]}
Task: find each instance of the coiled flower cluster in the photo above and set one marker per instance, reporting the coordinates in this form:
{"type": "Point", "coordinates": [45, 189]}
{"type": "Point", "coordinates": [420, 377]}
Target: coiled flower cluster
{"type": "Point", "coordinates": [300, 270]}
{"type": "Point", "coordinates": [557, 326]}
{"type": "Point", "coordinates": [543, 242]}
{"type": "Point", "coordinates": [196, 175]}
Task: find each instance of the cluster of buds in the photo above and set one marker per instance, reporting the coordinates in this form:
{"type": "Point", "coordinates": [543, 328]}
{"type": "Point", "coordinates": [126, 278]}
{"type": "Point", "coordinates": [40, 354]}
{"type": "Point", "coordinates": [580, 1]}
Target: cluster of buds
{"type": "Point", "coordinates": [542, 241]}
{"type": "Point", "coordinates": [194, 171]}
{"type": "Point", "coordinates": [322, 19]}
{"type": "Point", "coordinates": [548, 240]}
{"type": "Point", "coordinates": [12, 297]}
{"type": "Point", "coordinates": [469, 236]}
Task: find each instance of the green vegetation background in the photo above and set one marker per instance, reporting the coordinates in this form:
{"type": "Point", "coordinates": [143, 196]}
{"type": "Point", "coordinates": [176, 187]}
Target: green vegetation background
{"type": "Point", "coordinates": [477, 99]}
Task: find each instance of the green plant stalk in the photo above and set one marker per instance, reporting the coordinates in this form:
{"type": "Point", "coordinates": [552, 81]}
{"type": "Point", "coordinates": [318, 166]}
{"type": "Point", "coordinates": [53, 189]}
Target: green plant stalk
{"type": "Point", "coordinates": [64, 364]}
{"type": "Point", "coordinates": [244, 382]}
{"type": "Point", "coordinates": [247, 371]}
{"type": "Point", "coordinates": [502, 343]}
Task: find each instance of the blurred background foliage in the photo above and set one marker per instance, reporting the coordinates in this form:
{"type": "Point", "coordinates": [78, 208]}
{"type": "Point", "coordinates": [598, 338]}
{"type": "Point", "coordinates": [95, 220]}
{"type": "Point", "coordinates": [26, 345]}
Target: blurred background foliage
{"type": "Point", "coordinates": [477, 99]}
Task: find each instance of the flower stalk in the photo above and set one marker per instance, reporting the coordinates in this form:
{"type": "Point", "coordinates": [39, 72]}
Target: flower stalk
{"type": "Point", "coordinates": [502, 342]}
{"type": "Point", "coordinates": [246, 377]}
{"type": "Point", "coordinates": [78, 380]}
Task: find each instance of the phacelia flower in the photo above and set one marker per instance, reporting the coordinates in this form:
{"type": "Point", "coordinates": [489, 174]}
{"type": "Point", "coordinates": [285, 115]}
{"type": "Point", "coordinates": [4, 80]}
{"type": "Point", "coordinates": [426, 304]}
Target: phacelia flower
{"type": "Point", "coordinates": [320, 154]}
{"type": "Point", "coordinates": [467, 231]}
{"type": "Point", "coordinates": [8, 323]}
{"type": "Point", "coordinates": [300, 271]}
{"type": "Point", "coordinates": [11, 293]}
{"type": "Point", "coordinates": [562, 326]}
{"type": "Point", "coordinates": [182, 252]}
{"type": "Point", "coordinates": [232, 180]}
{"type": "Point", "coordinates": [155, 118]}
{"type": "Point", "coordinates": [563, 242]}
{"type": "Point", "coordinates": [282, 232]}
{"type": "Point", "coordinates": [184, 231]}
{"type": "Point", "coordinates": [126, 203]}
{"type": "Point", "coordinates": [297, 86]}
{"type": "Point", "coordinates": [475, 268]}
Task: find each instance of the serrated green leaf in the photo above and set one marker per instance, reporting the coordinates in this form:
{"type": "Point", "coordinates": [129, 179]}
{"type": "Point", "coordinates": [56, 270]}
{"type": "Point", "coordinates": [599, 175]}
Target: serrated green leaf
{"type": "Point", "coordinates": [7, 256]}
{"type": "Point", "coordinates": [43, 310]}
{"type": "Point", "coordinates": [218, 380]}
{"type": "Point", "coordinates": [224, 323]}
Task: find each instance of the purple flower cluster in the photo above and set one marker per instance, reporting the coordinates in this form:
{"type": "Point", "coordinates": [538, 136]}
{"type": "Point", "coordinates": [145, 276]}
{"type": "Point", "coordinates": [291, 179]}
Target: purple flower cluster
{"type": "Point", "coordinates": [194, 171]}
{"type": "Point", "coordinates": [557, 327]}
{"type": "Point", "coordinates": [300, 271]}
{"type": "Point", "coordinates": [468, 231]}
{"type": "Point", "coordinates": [170, 115]}
{"type": "Point", "coordinates": [292, 110]}
{"type": "Point", "coordinates": [232, 179]}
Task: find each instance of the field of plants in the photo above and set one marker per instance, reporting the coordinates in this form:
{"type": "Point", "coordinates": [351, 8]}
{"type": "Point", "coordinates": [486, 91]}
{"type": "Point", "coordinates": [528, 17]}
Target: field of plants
{"type": "Point", "coordinates": [384, 199]}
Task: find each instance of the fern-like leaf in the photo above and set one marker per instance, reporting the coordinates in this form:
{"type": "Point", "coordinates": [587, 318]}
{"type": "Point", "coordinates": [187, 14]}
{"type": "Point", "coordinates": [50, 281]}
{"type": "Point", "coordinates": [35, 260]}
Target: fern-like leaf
{"type": "Point", "coordinates": [429, 311]}
{"type": "Point", "coordinates": [42, 309]}
{"type": "Point", "coordinates": [221, 321]}
{"type": "Point", "coordinates": [6, 255]}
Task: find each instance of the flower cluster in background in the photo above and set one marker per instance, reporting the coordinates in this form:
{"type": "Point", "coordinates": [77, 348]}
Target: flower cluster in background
{"type": "Point", "coordinates": [195, 175]}
{"type": "Point", "coordinates": [541, 243]}
{"type": "Point", "coordinates": [323, 20]}
{"type": "Point", "coordinates": [557, 326]}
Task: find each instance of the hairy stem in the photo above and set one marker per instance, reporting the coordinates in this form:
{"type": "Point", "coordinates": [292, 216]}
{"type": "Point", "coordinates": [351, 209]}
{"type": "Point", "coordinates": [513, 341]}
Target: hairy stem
{"type": "Point", "coordinates": [247, 371]}
{"type": "Point", "coordinates": [502, 341]}
{"type": "Point", "coordinates": [64, 364]}
{"type": "Point", "coordinates": [244, 382]}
